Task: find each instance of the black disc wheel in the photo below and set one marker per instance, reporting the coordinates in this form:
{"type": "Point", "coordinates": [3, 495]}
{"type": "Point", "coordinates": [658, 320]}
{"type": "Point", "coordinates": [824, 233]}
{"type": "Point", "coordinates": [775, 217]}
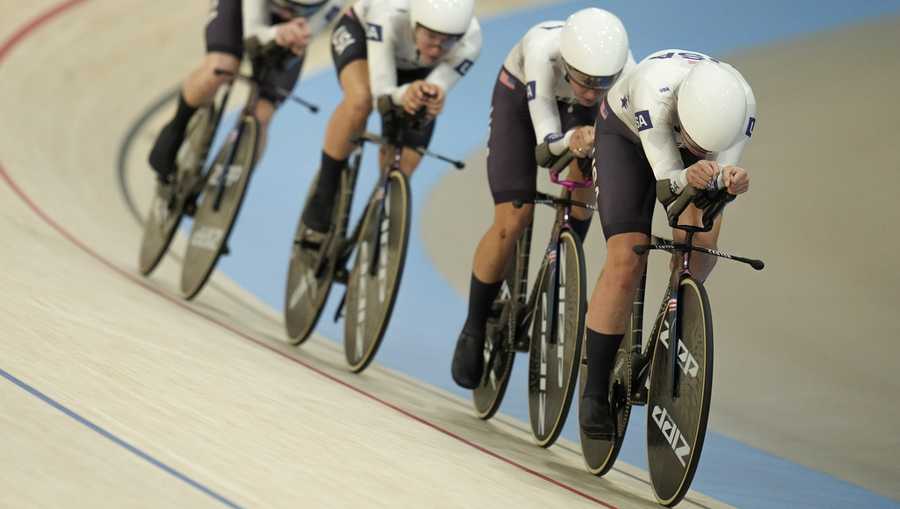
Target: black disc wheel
{"type": "Point", "coordinates": [377, 270]}
{"type": "Point", "coordinates": [167, 210]}
{"type": "Point", "coordinates": [676, 419]}
{"type": "Point", "coordinates": [219, 206]}
{"type": "Point", "coordinates": [557, 331]}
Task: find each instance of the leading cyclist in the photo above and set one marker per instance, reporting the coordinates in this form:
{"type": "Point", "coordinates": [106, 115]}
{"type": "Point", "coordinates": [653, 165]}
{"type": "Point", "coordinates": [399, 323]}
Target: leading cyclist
{"type": "Point", "coordinates": [676, 124]}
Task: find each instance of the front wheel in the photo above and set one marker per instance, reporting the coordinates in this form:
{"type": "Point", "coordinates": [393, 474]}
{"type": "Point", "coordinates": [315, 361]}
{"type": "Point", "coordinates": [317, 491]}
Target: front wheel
{"type": "Point", "coordinates": [219, 206]}
{"type": "Point", "coordinates": [676, 425]}
{"type": "Point", "coordinates": [555, 350]}
{"type": "Point", "coordinates": [377, 270]}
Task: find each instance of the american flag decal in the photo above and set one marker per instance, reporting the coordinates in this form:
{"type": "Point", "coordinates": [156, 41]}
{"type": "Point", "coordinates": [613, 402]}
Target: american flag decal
{"type": "Point", "coordinates": [673, 303]}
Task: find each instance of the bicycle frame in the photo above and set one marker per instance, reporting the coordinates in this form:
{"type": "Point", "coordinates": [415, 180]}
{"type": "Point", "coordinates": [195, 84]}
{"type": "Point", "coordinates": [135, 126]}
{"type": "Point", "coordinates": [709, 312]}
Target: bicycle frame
{"type": "Point", "coordinates": [266, 60]}
{"type": "Point", "coordinates": [670, 304]}
{"type": "Point", "coordinates": [347, 245]}
{"type": "Point", "coordinates": [563, 206]}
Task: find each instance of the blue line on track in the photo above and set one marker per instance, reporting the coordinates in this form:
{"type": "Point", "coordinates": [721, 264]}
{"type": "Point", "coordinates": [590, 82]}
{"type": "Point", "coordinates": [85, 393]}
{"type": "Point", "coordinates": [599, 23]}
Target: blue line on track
{"type": "Point", "coordinates": [116, 440]}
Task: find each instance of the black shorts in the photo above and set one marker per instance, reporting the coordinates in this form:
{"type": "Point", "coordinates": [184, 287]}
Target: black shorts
{"type": "Point", "coordinates": [623, 179]}
{"type": "Point", "coordinates": [225, 34]}
{"type": "Point", "coordinates": [348, 44]}
{"type": "Point", "coordinates": [511, 163]}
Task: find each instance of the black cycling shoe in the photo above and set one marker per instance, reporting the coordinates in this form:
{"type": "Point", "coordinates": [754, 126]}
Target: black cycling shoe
{"type": "Point", "coordinates": [317, 215]}
{"type": "Point", "coordinates": [165, 151]}
{"type": "Point", "coordinates": [468, 360]}
{"type": "Point", "coordinates": [596, 418]}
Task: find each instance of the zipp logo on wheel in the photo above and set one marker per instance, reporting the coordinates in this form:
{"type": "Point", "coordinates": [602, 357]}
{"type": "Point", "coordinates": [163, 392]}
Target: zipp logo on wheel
{"type": "Point", "coordinates": [207, 237]}
{"type": "Point", "coordinates": [672, 434]}
{"type": "Point", "coordinates": [686, 360]}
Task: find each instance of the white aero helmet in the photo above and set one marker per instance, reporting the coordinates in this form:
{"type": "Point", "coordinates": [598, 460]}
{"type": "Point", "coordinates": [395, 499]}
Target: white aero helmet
{"type": "Point", "coordinates": [449, 17]}
{"type": "Point", "coordinates": [594, 48]}
{"type": "Point", "coordinates": [300, 8]}
{"type": "Point", "coordinates": [712, 106]}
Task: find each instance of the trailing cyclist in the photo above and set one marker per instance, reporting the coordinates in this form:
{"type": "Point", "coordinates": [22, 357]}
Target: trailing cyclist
{"type": "Point", "coordinates": [231, 25]}
{"type": "Point", "coordinates": [411, 50]}
{"type": "Point", "coordinates": [547, 91]}
{"type": "Point", "coordinates": [671, 129]}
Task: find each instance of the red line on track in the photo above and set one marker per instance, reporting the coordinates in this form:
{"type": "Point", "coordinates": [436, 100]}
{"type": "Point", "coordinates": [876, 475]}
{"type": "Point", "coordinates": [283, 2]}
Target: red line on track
{"type": "Point", "coordinates": [26, 30]}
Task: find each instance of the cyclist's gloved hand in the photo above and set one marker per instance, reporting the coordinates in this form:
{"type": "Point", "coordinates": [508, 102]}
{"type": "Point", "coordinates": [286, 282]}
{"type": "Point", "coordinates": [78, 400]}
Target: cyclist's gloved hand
{"type": "Point", "coordinates": [434, 100]}
{"type": "Point", "coordinates": [581, 142]}
{"type": "Point", "coordinates": [293, 34]}
{"type": "Point", "coordinates": [417, 95]}
{"type": "Point", "coordinates": [736, 179]}
{"type": "Point", "coordinates": [702, 174]}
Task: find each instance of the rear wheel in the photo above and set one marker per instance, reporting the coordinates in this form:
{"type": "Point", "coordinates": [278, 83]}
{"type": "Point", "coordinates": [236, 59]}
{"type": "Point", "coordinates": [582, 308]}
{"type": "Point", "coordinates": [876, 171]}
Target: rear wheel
{"type": "Point", "coordinates": [377, 270]}
{"type": "Point", "coordinates": [216, 214]}
{"type": "Point", "coordinates": [166, 212]}
{"type": "Point", "coordinates": [311, 273]}
{"type": "Point", "coordinates": [600, 454]}
{"type": "Point", "coordinates": [501, 332]}
{"type": "Point", "coordinates": [555, 351]}
{"type": "Point", "coordinates": [676, 426]}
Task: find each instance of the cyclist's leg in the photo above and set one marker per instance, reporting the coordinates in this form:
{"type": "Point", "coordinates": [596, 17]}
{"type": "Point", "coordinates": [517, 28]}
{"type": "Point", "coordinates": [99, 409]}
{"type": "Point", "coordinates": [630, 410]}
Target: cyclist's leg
{"type": "Point", "coordinates": [348, 49]}
{"type": "Point", "coordinates": [224, 49]}
{"type": "Point", "coordinates": [512, 176]}
{"type": "Point", "coordinates": [625, 199]}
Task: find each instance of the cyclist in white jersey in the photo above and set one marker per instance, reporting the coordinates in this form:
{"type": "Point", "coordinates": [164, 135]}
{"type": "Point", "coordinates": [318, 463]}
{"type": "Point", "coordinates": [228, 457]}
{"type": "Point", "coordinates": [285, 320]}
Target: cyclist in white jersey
{"type": "Point", "coordinates": [289, 23]}
{"type": "Point", "coordinates": [411, 50]}
{"type": "Point", "coordinates": [545, 100]}
{"type": "Point", "coordinates": [679, 119]}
